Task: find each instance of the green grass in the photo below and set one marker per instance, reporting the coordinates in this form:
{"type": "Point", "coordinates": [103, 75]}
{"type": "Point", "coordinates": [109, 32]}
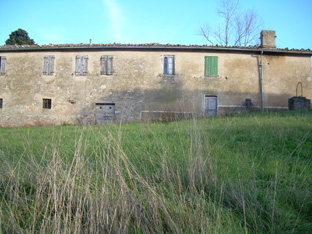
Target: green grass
{"type": "Point", "coordinates": [240, 174]}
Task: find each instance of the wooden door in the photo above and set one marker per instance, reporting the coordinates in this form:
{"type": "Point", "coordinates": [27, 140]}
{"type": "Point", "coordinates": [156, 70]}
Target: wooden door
{"type": "Point", "coordinates": [211, 105]}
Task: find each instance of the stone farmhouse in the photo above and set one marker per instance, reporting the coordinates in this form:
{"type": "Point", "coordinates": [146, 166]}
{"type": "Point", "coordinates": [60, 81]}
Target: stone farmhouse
{"type": "Point", "coordinates": [94, 84]}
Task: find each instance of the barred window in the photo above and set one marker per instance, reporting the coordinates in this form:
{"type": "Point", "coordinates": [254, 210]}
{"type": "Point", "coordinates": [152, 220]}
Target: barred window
{"type": "Point", "coordinates": [47, 103]}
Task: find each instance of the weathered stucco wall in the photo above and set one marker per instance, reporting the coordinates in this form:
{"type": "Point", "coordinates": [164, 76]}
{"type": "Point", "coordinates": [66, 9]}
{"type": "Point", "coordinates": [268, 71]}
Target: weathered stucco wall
{"type": "Point", "coordinates": [138, 84]}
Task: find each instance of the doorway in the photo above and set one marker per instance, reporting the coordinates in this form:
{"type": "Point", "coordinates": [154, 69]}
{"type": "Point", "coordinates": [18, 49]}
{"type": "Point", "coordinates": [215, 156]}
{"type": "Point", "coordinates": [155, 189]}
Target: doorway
{"type": "Point", "coordinates": [211, 105]}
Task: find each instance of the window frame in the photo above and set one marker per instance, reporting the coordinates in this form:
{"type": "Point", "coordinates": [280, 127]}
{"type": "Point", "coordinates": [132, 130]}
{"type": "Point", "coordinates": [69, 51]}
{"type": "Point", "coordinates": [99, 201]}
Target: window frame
{"type": "Point", "coordinates": [46, 103]}
{"type": "Point", "coordinates": [81, 65]}
{"type": "Point", "coordinates": [167, 71]}
{"type": "Point", "coordinates": [2, 65]}
{"type": "Point", "coordinates": [107, 65]}
{"type": "Point", "coordinates": [48, 65]}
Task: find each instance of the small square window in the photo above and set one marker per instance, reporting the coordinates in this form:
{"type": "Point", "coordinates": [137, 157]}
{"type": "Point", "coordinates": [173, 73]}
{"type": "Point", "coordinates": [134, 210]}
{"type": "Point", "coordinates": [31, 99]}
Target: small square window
{"type": "Point", "coordinates": [47, 103]}
{"type": "Point", "coordinates": [1, 103]}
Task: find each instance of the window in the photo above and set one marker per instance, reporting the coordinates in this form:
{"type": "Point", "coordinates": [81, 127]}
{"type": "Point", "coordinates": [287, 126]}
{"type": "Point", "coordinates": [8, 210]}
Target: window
{"type": "Point", "coordinates": [1, 103]}
{"type": "Point", "coordinates": [169, 65]}
{"type": "Point", "coordinates": [2, 65]}
{"type": "Point", "coordinates": [48, 67]}
{"type": "Point", "coordinates": [47, 103]}
{"type": "Point", "coordinates": [211, 66]}
{"type": "Point", "coordinates": [106, 65]}
{"type": "Point", "coordinates": [81, 65]}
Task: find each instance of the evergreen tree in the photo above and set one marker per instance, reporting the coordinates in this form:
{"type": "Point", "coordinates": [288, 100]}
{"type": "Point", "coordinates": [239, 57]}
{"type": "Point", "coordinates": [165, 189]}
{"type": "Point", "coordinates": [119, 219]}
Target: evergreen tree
{"type": "Point", "coordinates": [19, 37]}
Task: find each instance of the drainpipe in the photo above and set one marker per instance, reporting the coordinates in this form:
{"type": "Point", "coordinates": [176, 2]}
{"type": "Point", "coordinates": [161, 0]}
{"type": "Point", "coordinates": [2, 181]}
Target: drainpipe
{"type": "Point", "coordinates": [261, 78]}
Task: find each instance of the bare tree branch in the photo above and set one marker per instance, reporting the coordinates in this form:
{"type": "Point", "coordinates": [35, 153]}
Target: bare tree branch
{"type": "Point", "coordinates": [237, 28]}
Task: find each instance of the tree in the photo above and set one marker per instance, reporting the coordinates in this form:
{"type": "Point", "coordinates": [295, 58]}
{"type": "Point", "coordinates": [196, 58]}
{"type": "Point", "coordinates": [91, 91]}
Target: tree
{"type": "Point", "coordinates": [237, 28]}
{"type": "Point", "coordinates": [19, 37]}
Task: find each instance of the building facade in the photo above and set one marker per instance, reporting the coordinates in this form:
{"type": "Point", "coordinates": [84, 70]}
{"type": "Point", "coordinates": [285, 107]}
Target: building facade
{"type": "Point", "coordinates": [95, 84]}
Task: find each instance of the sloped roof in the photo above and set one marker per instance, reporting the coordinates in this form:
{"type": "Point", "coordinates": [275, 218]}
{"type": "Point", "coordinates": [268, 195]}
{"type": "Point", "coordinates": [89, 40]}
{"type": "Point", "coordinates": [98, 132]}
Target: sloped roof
{"type": "Point", "coordinates": [151, 46]}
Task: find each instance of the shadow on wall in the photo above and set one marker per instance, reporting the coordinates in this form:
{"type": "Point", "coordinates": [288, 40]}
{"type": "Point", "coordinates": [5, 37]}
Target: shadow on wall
{"type": "Point", "coordinates": [175, 103]}
{"type": "Point", "coordinates": [129, 106]}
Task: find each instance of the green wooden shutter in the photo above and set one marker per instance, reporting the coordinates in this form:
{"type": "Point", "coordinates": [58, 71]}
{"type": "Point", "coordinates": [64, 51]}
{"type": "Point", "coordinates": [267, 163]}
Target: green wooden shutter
{"type": "Point", "coordinates": [211, 66]}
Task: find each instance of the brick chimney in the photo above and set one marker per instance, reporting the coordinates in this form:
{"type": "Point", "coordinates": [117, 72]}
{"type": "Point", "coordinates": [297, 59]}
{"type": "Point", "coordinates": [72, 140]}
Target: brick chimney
{"type": "Point", "coordinates": [268, 39]}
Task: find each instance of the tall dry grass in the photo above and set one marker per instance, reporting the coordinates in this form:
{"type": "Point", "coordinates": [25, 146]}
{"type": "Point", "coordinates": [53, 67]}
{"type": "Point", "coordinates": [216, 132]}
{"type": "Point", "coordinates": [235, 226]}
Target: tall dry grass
{"type": "Point", "coordinates": [223, 175]}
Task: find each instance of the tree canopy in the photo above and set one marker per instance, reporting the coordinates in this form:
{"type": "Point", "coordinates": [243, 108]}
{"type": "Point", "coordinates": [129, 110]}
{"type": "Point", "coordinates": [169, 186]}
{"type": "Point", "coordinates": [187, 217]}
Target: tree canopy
{"type": "Point", "coordinates": [19, 37]}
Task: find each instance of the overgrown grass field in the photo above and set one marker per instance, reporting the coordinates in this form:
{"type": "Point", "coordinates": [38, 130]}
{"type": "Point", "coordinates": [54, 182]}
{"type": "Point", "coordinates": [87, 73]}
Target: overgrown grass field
{"type": "Point", "coordinates": [238, 174]}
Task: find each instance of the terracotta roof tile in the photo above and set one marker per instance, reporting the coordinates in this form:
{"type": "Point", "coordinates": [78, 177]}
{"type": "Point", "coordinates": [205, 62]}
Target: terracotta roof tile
{"type": "Point", "coordinates": [149, 45]}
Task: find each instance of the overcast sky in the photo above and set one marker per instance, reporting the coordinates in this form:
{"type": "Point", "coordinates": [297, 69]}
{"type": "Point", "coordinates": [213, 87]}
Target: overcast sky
{"type": "Point", "coordinates": [145, 21]}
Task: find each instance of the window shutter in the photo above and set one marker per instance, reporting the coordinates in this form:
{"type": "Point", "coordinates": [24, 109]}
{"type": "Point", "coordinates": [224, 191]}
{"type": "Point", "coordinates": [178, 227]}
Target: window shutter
{"type": "Point", "coordinates": [78, 65]}
{"type": "Point", "coordinates": [103, 65]}
{"type": "Point", "coordinates": [211, 66]}
{"type": "Point", "coordinates": [45, 65]}
{"type": "Point", "coordinates": [2, 65]}
{"type": "Point", "coordinates": [51, 69]}
{"type": "Point", "coordinates": [84, 65]}
{"type": "Point", "coordinates": [109, 65]}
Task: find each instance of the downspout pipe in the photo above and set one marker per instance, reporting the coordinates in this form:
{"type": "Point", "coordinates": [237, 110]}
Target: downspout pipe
{"type": "Point", "coordinates": [261, 78]}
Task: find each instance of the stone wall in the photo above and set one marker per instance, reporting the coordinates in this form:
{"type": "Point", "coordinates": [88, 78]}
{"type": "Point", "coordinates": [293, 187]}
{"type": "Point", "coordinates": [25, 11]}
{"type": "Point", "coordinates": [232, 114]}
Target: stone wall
{"type": "Point", "coordinates": [138, 84]}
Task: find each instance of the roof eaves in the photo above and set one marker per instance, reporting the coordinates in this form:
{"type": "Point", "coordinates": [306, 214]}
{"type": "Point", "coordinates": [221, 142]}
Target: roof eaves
{"type": "Point", "coordinates": [150, 46]}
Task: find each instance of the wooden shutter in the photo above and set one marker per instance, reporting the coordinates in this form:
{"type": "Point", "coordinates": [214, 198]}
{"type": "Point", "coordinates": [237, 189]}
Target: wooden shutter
{"type": "Point", "coordinates": [51, 67]}
{"type": "Point", "coordinates": [109, 65]}
{"type": "Point", "coordinates": [211, 66]}
{"type": "Point", "coordinates": [84, 65]}
{"type": "Point", "coordinates": [103, 65]}
{"type": "Point", "coordinates": [2, 65]}
{"type": "Point", "coordinates": [106, 65]}
{"type": "Point", "coordinates": [78, 65]}
{"type": "Point", "coordinates": [48, 67]}
{"type": "Point", "coordinates": [45, 65]}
